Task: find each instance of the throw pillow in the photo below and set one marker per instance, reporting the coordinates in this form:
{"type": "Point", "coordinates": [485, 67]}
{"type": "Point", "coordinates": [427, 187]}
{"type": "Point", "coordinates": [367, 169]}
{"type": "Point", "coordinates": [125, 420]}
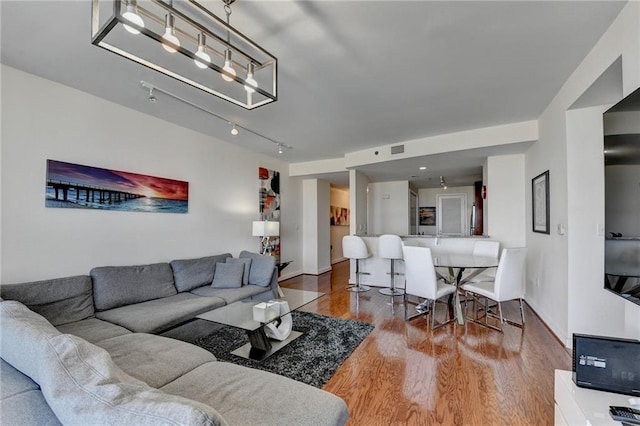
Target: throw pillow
{"type": "Point", "coordinates": [247, 267]}
{"type": "Point", "coordinates": [24, 338]}
{"type": "Point", "coordinates": [193, 273]}
{"type": "Point", "coordinates": [83, 386]}
{"type": "Point", "coordinates": [262, 268]}
{"type": "Point", "coordinates": [228, 275]}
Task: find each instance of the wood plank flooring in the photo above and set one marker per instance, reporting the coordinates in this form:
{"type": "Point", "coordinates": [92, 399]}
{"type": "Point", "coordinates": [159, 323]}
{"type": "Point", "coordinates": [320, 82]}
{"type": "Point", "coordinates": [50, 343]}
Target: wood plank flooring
{"type": "Point", "coordinates": [405, 374]}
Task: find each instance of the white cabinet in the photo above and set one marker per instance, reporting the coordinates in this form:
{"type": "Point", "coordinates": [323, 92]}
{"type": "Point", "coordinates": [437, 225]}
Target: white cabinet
{"type": "Point", "coordinates": [579, 406]}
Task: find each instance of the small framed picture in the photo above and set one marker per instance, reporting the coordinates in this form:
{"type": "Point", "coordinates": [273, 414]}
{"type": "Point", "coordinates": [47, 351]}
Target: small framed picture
{"type": "Point", "coordinates": [427, 216]}
{"type": "Point", "coordinates": [540, 203]}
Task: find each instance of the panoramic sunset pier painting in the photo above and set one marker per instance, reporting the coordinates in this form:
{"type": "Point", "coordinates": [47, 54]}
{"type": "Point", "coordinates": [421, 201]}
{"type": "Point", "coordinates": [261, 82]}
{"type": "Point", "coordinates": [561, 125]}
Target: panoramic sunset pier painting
{"type": "Point", "coordinates": [78, 186]}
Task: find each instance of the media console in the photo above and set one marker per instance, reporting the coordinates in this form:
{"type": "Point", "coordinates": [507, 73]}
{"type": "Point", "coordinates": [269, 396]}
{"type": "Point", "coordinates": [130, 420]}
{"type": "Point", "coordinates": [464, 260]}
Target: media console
{"type": "Point", "coordinates": [580, 406]}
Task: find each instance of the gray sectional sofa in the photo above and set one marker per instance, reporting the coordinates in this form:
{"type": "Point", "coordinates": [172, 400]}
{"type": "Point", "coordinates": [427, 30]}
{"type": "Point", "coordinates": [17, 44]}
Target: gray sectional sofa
{"type": "Point", "coordinates": [87, 350]}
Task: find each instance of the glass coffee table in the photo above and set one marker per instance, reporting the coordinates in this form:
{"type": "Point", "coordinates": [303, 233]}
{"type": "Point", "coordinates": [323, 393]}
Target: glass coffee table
{"type": "Point", "coordinates": [240, 315]}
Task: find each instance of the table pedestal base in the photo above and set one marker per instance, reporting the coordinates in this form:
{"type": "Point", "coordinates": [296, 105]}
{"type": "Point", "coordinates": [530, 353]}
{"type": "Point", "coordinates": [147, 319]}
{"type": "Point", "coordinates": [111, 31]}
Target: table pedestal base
{"type": "Point", "coordinates": [249, 351]}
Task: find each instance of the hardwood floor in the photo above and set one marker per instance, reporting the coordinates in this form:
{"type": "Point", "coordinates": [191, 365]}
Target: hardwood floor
{"type": "Point", "coordinates": [403, 373]}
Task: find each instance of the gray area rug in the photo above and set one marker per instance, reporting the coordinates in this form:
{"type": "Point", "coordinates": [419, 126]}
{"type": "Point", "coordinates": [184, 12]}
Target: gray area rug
{"type": "Point", "coordinates": [312, 358]}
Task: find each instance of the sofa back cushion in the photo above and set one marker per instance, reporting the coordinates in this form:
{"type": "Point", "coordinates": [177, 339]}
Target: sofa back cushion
{"type": "Point", "coordinates": [83, 386]}
{"type": "Point", "coordinates": [115, 286]}
{"type": "Point", "coordinates": [246, 262]}
{"type": "Point", "coordinates": [24, 338]}
{"type": "Point", "coordinates": [60, 300]}
{"type": "Point", "coordinates": [262, 268]}
{"type": "Point", "coordinates": [193, 273]}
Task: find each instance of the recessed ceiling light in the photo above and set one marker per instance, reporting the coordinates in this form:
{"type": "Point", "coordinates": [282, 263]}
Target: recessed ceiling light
{"type": "Point", "coordinates": [423, 168]}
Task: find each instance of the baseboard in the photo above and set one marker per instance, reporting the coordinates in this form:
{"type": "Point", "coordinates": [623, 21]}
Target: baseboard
{"type": "Point", "coordinates": [564, 342]}
{"type": "Point", "coordinates": [289, 275]}
{"type": "Point", "coordinates": [323, 270]}
{"type": "Point", "coordinates": [338, 260]}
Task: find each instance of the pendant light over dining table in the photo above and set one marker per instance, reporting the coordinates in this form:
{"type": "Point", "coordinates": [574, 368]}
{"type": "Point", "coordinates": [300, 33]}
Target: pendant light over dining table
{"type": "Point", "coordinates": [198, 48]}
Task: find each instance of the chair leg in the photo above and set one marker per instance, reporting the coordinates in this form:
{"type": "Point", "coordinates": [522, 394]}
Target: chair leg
{"type": "Point", "coordinates": [392, 290]}
{"type": "Point", "coordinates": [521, 312]}
{"type": "Point", "coordinates": [358, 288]}
{"type": "Point", "coordinates": [408, 317]}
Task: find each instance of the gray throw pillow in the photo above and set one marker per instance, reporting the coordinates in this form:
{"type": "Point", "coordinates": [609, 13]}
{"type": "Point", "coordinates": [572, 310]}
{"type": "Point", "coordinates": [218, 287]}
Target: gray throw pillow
{"type": "Point", "coordinates": [262, 268]}
{"type": "Point", "coordinates": [228, 275]}
{"type": "Point", "coordinates": [247, 267]}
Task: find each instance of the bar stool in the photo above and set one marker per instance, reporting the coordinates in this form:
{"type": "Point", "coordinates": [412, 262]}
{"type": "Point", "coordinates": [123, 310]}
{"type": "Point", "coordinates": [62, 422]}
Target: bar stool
{"type": "Point", "coordinates": [353, 247]}
{"type": "Point", "coordinates": [390, 247]}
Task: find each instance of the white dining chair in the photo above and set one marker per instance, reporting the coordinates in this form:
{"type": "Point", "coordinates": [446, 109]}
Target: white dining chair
{"type": "Point", "coordinates": [485, 249]}
{"type": "Point", "coordinates": [354, 247]}
{"type": "Point", "coordinates": [509, 284]}
{"type": "Point", "coordinates": [421, 281]}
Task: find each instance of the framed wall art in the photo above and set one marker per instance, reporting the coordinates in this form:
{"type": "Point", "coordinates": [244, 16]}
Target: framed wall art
{"type": "Point", "coordinates": [78, 186]}
{"type": "Point", "coordinates": [540, 203]}
{"type": "Point", "coordinates": [427, 216]}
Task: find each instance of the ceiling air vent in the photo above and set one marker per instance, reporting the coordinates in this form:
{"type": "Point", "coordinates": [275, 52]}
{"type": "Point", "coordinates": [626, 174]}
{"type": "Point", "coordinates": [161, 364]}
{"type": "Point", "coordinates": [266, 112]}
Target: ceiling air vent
{"type": "Point", "coordinates": [398, 149]}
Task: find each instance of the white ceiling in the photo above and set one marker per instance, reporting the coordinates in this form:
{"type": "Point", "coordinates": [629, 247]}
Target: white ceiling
{"type": "Point", "coordinates": [353, 74]}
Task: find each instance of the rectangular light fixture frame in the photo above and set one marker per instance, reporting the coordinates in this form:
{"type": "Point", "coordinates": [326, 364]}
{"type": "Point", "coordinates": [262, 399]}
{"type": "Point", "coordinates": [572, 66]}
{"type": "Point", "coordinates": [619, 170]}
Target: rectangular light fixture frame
{"type": "Point", "coordinates": [193, 19]}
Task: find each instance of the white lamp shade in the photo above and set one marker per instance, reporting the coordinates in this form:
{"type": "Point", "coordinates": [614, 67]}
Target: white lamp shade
{"type": "Point", "coordinates": [272, 229]}
{"type": "Point", "coordinates": [266, 229]}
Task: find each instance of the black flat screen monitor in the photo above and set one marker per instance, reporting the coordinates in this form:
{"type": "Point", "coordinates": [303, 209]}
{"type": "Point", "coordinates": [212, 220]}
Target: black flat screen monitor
{"type": "Point", "coordinates": [607, 363]}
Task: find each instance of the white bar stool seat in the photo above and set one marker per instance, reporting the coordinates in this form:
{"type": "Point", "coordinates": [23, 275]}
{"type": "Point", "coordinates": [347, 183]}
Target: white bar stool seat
{"type": "Point", "coordinates": [390, 247]}
{"type": "Point", "coordinates": [353, 247]}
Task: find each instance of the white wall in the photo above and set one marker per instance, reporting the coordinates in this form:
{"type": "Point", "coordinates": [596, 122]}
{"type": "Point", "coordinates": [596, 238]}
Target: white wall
{"type": "Point", "coordinates": [358, 202]}
{"type": "Point", "coordinates": [389, 208]}
{"type": "Point", "coordinates": [45, 120]}
{"type": "Point", "coordinates": [570, 147]}
{"type": "Point", "coordinates": [339, 198]}
{"type": "Point", "coordinates": [505, 210]}
{"type": "Point", "coordinates": [316, 235]}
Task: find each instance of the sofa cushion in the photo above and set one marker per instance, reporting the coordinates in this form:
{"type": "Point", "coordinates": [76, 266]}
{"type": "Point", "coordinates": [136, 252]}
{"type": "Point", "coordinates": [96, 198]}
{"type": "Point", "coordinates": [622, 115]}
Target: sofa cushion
{"type": "Point", "coordinates": [24, 337]}
{"type": "Point", "coordinates": [246, 261]}
{"type": "Point", "coordinates": [115, 286]}
{"type": "Point", "coordinates": [60, 300]}
{"type": "Point", "coordinates": [82, 385]}
{"type": "Point", "coordinates": [21, 401]}
{"type": "Point", "coordinates": [262, 268]}
{"type": "Point", "coordinates": [158, 315]}
{"type": "Point", "coordinates": [192, 273]}
{"type": "Point", "coordinates": [238, 391]}
{"type": "Point", "coordinates": [93, 329]}
{"type": "Point", "coordinates": [228, 275]}
{"type": "Point", "coordinates": [231, 295]}
{"type": "Point", "coordinates": [153, 359]}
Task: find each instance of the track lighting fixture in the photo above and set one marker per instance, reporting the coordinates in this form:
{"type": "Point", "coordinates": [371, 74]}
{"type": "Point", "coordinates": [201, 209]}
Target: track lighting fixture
{"type": "Point", "coordinates": [193, 33]}
{"type": "Point", "coordinates": [234, 126]}
{"type": "Point", "coordinates": [443, 184]}
{"type": "Point", "coordinates": [152, 97]}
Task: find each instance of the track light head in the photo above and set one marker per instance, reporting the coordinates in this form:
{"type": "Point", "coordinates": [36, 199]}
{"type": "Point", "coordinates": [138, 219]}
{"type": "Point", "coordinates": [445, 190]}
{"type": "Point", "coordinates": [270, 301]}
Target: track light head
{"type": "Point", "coordinates": [152, 97]}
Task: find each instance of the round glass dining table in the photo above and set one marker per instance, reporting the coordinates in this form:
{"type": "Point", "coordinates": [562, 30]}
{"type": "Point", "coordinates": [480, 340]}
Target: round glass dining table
{"type": "Point", "coordinates": [457, 264]}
